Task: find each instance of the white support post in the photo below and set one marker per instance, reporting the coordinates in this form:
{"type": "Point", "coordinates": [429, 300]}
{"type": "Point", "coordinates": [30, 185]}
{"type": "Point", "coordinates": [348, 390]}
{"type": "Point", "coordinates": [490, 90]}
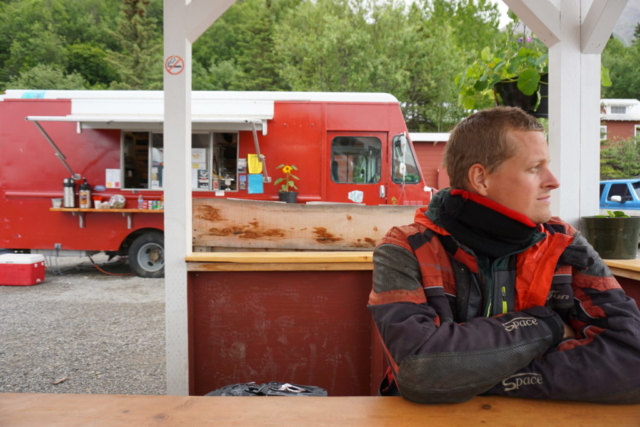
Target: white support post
{"type": "Point", "coordinates": [565, 111]}
{"type": "Point", "coordinates": [184, 22]}
{"type": "Point", "coordinates": [589, 136]}
{"type": "Point", "coordinates": [177, 191]}
{"type": "Point", "coordinates": [575, 32]}
{"type": "Point", "coordinates": [598, 24]}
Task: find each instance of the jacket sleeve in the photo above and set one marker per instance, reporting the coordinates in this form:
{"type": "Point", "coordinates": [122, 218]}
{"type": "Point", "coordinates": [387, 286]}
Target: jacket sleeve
{"type": "Point", "coordinates": [602, 364]}
{"type": "Point", "coordinates": [434, 359]}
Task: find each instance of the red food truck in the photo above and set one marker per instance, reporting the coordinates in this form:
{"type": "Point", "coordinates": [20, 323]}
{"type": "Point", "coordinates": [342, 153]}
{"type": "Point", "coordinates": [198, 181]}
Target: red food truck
{"type": "Point", "coordinates": [346, 147]}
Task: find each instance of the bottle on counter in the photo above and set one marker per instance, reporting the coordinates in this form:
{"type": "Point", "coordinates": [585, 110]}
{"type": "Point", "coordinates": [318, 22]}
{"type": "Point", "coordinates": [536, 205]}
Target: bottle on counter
{"type": "Point", "coordinates": [140, 201]}
{"type": "Point", "coordinates": [69, 185]}
{"type": "Point", "coordinates": [85, 195]}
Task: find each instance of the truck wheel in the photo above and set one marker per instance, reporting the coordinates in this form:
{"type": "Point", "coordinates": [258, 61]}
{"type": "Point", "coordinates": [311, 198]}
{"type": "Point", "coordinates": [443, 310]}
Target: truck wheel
{"type": "Point", "coordinates": [146, 255]}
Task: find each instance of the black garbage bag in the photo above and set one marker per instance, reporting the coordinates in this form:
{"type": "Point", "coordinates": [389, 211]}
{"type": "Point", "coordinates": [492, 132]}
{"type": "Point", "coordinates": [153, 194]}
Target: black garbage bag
{"type": "Point", "coordinates": [272, 388]}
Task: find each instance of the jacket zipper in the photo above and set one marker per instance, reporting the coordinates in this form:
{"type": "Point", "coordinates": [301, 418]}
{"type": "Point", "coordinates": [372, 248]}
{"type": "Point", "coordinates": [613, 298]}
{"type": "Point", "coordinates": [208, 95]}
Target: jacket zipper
{"type": "Point", "coordinates": [490, 292]}
{"type": "Point", "coordinates": [504, 300]}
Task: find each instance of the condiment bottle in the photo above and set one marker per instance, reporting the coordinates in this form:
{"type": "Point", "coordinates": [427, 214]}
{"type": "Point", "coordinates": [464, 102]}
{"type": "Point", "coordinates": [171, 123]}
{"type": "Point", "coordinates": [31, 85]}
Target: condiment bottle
{"type": "Point", "coordinates": [85, 195]}
{"type": "Point", "coordinates": [69, 193]}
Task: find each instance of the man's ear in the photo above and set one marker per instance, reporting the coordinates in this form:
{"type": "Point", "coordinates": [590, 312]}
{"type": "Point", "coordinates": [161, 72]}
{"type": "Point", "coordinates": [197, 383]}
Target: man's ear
{"type": "Point", "coordinates": [477, 178]}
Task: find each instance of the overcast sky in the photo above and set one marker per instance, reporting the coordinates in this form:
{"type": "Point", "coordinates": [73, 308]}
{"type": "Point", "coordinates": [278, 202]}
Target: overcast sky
{"type": "Point", "coordinates": [504, 19]}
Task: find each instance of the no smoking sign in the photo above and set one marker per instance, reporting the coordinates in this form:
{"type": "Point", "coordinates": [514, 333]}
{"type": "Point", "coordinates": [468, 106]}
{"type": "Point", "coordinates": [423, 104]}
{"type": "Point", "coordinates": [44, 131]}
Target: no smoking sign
{"type": "Point", "coordinates": [174, 65]}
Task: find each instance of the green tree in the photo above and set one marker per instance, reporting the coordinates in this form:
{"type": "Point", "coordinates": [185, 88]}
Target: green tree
{"type": "Point", "coordinates": [138, 63]}
{"type": "Point", "coordinates": [474, 23]}
{"type": "Point", "coordinates": [259, 60]}
{"type": "Point", "coordinates": [624, 69]}
{"type": "Point", "coordinates": [90, 61]}
{"type": "Point", "coordinates": [222, 40]}
{"type": "Point", "coordinates": [620, 159]}
{"type": "Point", "coordinates": [38, 31]}
{"type": "Point", "coordinates": [325, 46]}
{"type": "Point", "coordinates": [44, 76]}
{"type": "Point", "coordinates": [219, 76]}
{"type": "Point", "coordinates": [435, 60]}
{"type": "Point", "coordinates": [42, 46]}
{"type": "Point", "coordinates": [368, 46]}
{"type": "Point", "coordinates": [244, 36]}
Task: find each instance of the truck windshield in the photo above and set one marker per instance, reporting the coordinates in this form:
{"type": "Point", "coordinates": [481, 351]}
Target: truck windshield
{"type": "Point", "coordinates": [402, 154]}
{"type": "Point", "coordinates": [355, 160]}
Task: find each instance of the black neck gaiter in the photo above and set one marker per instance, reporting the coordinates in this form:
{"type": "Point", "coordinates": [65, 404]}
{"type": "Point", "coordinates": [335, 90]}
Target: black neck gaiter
{"type": "Point", "coordinates": [483, 229]}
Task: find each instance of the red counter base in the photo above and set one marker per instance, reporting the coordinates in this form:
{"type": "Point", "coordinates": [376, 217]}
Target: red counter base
{"type": "Point", "coordinates": [309, 328]}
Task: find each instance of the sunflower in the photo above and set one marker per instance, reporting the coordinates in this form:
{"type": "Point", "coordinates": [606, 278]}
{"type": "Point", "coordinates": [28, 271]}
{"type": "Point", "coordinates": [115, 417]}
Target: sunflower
{"type": "Point", "coordinates": [287, 169]}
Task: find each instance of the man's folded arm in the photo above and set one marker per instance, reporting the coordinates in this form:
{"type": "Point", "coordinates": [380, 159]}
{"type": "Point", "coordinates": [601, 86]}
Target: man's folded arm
{"type": "Point", "coordinates": [603, 363]}
{"type": "Point", "coordinates": [443, 361]}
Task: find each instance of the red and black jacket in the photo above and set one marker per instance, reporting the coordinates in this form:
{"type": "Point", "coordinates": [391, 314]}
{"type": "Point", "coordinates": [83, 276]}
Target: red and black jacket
{"type": "Point", "coordinates": [454, 326]}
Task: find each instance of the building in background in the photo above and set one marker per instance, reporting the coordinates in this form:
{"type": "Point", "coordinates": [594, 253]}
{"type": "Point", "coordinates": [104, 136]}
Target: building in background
{"type": "Point", "coordinates": [429, 152]}
{"type": "Point", "coordinates": [619, 119]}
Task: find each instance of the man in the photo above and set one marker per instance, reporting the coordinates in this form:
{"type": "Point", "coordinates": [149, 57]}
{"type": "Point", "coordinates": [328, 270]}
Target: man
{"type": "Point", "coordinates": [487, 294]}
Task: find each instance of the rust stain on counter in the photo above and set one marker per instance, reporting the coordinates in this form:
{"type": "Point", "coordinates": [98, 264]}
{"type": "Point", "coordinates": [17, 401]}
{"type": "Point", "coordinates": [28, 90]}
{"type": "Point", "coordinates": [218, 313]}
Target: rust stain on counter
{"type": "Point", "coordinates": [209, 213]}
{"type": "Point", "coordinates": [246, 232]}
{"type": "Point", "coordinates": [323, 236]}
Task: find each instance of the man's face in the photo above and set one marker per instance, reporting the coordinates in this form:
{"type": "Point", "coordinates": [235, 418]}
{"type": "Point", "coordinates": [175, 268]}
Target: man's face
{"type": "Point", "coordinates": [524, 182]}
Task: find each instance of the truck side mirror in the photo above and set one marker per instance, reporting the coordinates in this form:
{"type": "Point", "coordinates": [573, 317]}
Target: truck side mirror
{"type": "Point", "coordinates": [617, 199]}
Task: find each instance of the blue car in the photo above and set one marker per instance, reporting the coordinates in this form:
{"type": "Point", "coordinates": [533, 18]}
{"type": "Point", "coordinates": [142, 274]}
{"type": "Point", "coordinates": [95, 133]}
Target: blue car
{"type": "Point", "coordinates": [621, 195]}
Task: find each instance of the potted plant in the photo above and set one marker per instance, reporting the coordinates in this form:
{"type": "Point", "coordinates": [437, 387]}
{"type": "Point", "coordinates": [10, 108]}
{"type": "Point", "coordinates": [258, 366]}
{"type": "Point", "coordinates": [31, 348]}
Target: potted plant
{"type": "Point", "coordinates": [613, 236]}
{"type": "Point", "coordinates": [286, 183]}
{"type": "Point", "coordinates": [513, 73]}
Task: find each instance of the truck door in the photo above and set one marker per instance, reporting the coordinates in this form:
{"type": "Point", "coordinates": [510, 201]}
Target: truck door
{"type": "Point", "coordinates": [356, 167]}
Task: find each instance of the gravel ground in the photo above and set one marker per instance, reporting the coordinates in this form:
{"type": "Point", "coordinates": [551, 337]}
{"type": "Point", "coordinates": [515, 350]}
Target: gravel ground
{"type": "Point", "coordinates": [83, 332]}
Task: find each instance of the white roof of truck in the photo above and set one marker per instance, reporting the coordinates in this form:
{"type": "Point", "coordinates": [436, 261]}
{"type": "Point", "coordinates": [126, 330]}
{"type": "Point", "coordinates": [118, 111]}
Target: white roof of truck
{"type": "Point", "coordinates": [208, 95]}
{"type": "Point", "coordinates": [429, 136]}
{"type": "Point", "coordinates": [210, 110]}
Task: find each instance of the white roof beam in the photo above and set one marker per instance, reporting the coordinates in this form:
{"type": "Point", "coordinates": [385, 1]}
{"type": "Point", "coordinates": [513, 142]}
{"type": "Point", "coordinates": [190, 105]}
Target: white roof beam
{"type": "Point", "coordinates": [541, 16]}
{"type": "Point", "coordinates": [599, 23]}
{"type": "Point", "coordinates": [201, 14]}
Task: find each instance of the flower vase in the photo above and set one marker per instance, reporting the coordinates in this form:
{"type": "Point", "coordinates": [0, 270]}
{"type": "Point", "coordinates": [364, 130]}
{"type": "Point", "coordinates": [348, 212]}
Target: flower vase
{"type": "Point", "coordinates": [288, 196]}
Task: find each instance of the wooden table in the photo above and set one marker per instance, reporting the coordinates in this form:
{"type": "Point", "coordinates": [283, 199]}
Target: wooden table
{"type": "Point", "coordinates": [627, 271]}
{"type": "Point", "coordinates": [71, 410]}
{"type": "Point", "coordinates": [629, 268]}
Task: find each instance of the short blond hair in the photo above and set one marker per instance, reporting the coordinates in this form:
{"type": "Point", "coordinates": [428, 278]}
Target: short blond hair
{"type": "Point", "coordinates": [482, 138]}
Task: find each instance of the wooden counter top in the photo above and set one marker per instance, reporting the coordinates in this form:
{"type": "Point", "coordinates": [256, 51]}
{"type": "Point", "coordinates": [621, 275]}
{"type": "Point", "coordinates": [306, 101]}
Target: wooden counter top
{"type": "Point", "coordinates": [69, 410]}
{"type": "Point", "coordinates": [280, 257]}
{"type": "Point", "coordinates": [280, 261]}
{"type": "Point", "coordinates": [629, 268]}
{"type": "Point", "coordinates": [627, 264]}
{"type": "Point", "coordinates": [346, 260]}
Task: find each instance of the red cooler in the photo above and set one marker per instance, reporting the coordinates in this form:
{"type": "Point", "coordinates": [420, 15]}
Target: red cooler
{"type": "Point", "coordinates": [21, 269]}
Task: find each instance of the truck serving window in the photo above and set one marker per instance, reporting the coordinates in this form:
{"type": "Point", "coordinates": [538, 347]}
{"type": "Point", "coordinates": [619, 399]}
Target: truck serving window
{"type": "Point", "coordinates": [402, 154]}
{"type": "Point", "coordinates": [355, 160]}
{"type": "Point", "coordinates": [214, 160]}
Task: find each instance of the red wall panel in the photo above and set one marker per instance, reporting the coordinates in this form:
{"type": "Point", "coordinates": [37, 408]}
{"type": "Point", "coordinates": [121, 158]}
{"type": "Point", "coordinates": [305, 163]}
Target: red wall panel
{"type": "Point", "coordinates": [310, 328]}
{"type": "Point", "coordinates": [619, 130]}
{"type": "Point", "coordinates": [430, 156]}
